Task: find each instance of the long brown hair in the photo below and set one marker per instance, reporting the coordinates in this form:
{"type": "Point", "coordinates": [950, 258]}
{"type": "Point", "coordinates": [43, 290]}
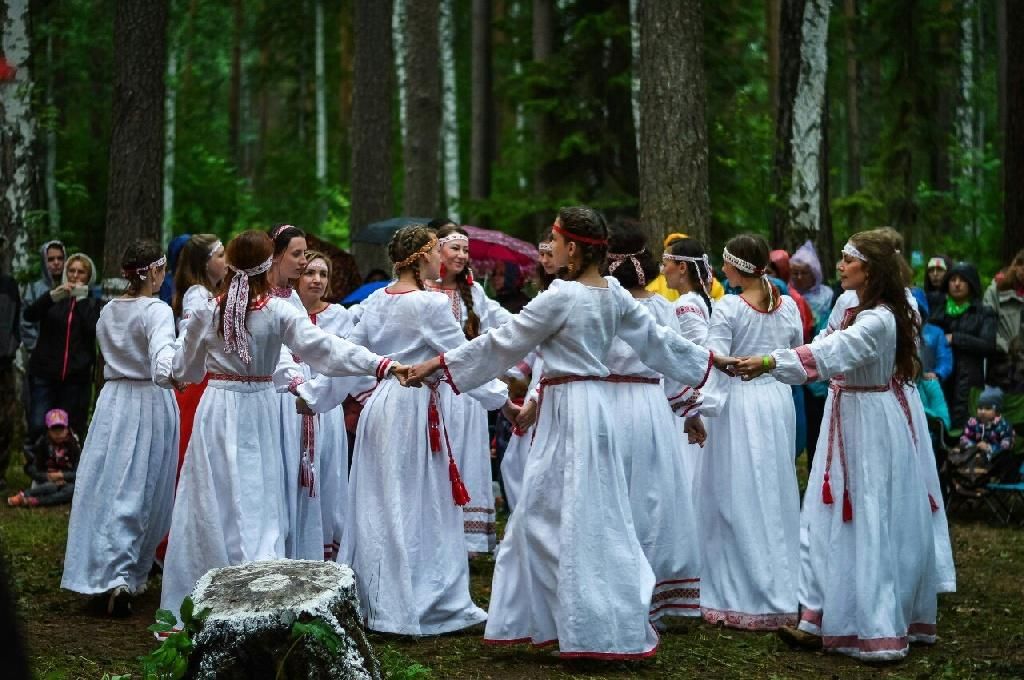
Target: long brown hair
{"type": "Point", "coordinates": [405, 242]}
{"type": "Point", "coordinates": [191, 269]}
{"type": "Point", "coordinates": [471, 328]}
{"type": "Point", "coordinates": [755, 250]}
{"type": "Point", "coordinates": [245, 251]}
{"type": "Point", "coordinates": [885, 286]}
{"type": "Point", "coordinates": [590, 224]}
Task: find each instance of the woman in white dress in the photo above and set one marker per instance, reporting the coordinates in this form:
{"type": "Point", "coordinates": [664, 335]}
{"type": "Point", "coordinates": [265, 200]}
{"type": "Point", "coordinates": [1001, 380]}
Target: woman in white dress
{"type": "Point", "coordinates": [231, 505]}
{"type": "Point", "coordinates": [748, 502]}
{"type": "Point", "coordinates": [324, 435]}
{"type": "Point", "coordinates": [659, 487]}
{"type": "Point", "coordinates": [466, 418]}
{"type": "Point", "coordinates": [571, 570]}
{"type": "Point", "coordinates": [125, 488]}
{"type": "Point", "coordinates": [404, 524]}
{"type": "Point", "coordinates": [513, 462]}
{"type": "Point", "coordinates": [687, 270]}
{"type": "Point", "coordinates": [867, 567]}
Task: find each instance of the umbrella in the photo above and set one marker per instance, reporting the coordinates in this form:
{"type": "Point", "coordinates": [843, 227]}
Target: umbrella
{"type": "Point", "coordinates": [363, 292]}
{"type": "Point", "coordinates": [488, 245]}
{"type": "Point", "coordinates": [381, 232]}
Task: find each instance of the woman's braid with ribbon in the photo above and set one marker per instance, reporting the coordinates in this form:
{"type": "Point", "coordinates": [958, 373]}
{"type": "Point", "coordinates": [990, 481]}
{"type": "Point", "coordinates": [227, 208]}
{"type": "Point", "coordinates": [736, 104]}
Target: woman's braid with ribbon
{"type": "Point", "coordinates": [236, 302]}
{"type": "Point", "coordinates": [618, 258]}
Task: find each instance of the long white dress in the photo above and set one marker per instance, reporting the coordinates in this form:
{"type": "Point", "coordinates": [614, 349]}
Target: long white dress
{"type": "Point", "coordinates": [513, 463]}
{"type": "Point", "coordinates": [404, 532]}
{"type": "Point", "coordinates": [659, 488]}
{"type": "Point", "coordinates": [331, 440]}
{"type": "Point", "coordinates": [125, 484]}
{"type": "Point", "coordinates": [867, 567]}
{"type": "Point", "coordinates": [467, 426]}
{"type": "Point", "coordinates": [945, 569]}
{"type": "Point", "coordinates": [694, 318]}
{"type": "Point", "coordinates": [748, 501]}
{"type": "Point", "coordinates": [571, 569]}
{"type": "Point", "coordinates": [231, 505]}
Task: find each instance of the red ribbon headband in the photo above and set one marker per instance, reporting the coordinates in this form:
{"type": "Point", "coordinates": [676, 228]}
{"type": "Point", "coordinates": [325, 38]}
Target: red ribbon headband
{"type": "Point", "coordinates": [576, 237]}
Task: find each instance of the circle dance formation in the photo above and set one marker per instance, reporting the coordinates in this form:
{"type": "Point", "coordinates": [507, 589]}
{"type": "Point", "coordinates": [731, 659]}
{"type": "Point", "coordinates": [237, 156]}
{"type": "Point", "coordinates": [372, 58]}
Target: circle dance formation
{"type": "Point", "coordinates": [648, 447]}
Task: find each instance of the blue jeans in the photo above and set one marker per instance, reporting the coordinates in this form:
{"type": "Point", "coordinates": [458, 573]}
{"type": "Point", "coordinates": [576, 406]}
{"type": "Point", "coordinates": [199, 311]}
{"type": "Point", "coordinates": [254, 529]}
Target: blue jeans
{"type": "Point", "coordinates": [73, 397]}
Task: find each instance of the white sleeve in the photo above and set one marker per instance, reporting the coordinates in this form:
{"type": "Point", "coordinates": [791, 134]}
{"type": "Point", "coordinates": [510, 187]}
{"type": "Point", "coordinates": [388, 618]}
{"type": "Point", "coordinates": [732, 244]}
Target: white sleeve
{"type": "Point", "coordinates": [325, 353]}
{"type": "Point", "coordinates": [324, 393]}
{"type": "Point", "coordinates": [189, 364]}
{"type": "Point", "coordinates": [693, 324]}
{"type": "Point", "coordinates": [491, 313]}
{"type": "Point", "coordinates": [159, 323]}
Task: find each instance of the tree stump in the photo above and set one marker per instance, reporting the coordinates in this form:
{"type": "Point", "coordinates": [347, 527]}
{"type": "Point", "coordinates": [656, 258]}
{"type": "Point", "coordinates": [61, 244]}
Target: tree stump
{"type": "Point", "coordinates": [253, 609]}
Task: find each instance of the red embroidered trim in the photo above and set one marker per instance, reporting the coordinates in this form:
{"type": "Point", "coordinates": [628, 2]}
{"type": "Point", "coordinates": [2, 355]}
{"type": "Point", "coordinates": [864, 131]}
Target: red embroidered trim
{"type": "Point", "coordinates": [684, 391]}
{"type": "Point", "coordinates": [665, 607]}
{"type": "Point", "coordinates": [478, 527]}
{"type": "Point", "coordinates": [448, 375]}
{"type": "Point", "coordinates": [401, 292]}
{"type": "Point", "coordinates": [608, 656]}
{"type": "Point", "coordinates": [811, 616]}
{"type": "Point", "coordinates": [678, 580]}
{"type": "Point", "coordinates": [688, 309]}
{"type": "Point", "coordinates": [382, 368]}
{"type": "Point", "coordinates": [230, 377]}
{"type": "Point", "coordinates": [486, 511]}
{"type": "Point", "coordinates": [803, 352]}
{"type": "Point", "coordinates": [748, 621]}
{"type": "Point", "coordinates": [711, 362]}
{"type": "Point", "coordinates": [892, 644]}
{"type": "Point", "coordinates": [770, 311]}
{"type": "Point", "coordinates": [676, 594]}
{"type": "Point", "coordinates": [294, 383]}
{"type": "Point", "coordinates": [519, 641]}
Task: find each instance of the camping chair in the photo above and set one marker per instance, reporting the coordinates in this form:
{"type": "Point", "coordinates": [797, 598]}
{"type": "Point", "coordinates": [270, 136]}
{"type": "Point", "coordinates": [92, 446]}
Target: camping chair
{"type": "Point", "coordinates": [1008, 497]}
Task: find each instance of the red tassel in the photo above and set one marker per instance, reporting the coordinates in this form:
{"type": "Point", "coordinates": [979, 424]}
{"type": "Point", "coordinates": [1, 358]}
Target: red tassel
{"type": "Point", "coordinates": [931, 501]}
{"type": "Point", "coordinates": [442, 273]}
{"type": "Point", "coordinates": [469, 276]}
{"type": "Point", "coordinates": [459, 493]}
{"type": "Point", "coordinates": [847, 506]}
{"type": "Point", "coordinates": [826, 491]}
{"type": "Point", "coordinates": [434, 427]}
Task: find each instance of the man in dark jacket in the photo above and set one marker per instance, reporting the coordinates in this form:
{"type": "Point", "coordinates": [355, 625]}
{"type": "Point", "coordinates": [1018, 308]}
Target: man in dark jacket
{"type": "Point", "coordinates": [970, 328]}
{"type": "Point", "coordinates": [10, 315]}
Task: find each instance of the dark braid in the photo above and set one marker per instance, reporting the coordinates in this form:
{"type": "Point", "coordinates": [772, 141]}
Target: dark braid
{"type": "Point", "coordinates": [696, 272]}
{"type": "Point", "coordinates": [471, 328]}
{"type": "Point", "coordinates": [404, 243]}
{"type": "Point", "coordinates": [139, 253]}
{"type": "Point", "coordinates": [585, 222]}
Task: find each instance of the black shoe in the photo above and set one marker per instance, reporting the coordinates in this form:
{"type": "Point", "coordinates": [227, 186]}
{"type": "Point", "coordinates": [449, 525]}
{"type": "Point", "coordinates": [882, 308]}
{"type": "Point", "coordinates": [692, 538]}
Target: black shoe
{"type": "Point", "coordinates": [119, 603]}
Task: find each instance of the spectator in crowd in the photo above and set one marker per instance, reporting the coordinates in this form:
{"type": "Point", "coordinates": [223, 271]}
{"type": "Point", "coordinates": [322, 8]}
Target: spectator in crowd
{"type": "Point", "coordinates": [936, 364]}
{"type": "Point", "coordinates": [970, 329]}
{"type": "Point", "coordinates": [60, 371]}
{"type": "Point", "coordinates": [52, 467]}
{"type": "Point", "coordinates": [53, 254]}
{"type": "Point", "coordinates": [935, 272]}
{"type": "Point", "coordinates": [1005, 297]}
{"type": "Point", "coordinates": [991, 434]}
{"type": "Point", "coordinates": [778, 268]}
{"type": "Point", "coordinates": [10, 339]}
{"type": "Point", "coordinates": [174, 249]}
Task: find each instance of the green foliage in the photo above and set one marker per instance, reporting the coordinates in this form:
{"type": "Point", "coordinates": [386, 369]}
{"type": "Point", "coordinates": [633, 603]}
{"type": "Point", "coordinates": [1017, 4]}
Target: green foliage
{"type": "Point", "coordinates": [398, 666]}
{"type": "Point", "coordinates": [170, 659]}
{"type": "Point", "coordinates": [316, 630]}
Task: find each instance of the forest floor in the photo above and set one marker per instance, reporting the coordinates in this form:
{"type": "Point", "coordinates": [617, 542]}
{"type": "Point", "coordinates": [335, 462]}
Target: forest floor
{"type": "Point", "coordinates": [981, 627]}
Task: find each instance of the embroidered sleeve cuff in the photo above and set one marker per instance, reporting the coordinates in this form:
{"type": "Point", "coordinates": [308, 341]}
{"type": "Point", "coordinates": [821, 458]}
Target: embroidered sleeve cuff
{"type": "Point", "coordinates": [707, 371]}
{"type": "Point", "coordinates": [808, 362]}
{"type": "Point", "coordinates": [448, 374]}
{"type": "Point", "coordinates": [293, 385]}
{"type": "Point", "coordinates": [382, 368]}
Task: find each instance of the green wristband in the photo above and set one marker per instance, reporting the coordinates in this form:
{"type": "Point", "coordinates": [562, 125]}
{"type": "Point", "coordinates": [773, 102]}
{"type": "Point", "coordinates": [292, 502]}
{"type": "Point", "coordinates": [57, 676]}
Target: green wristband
{"type": "Point", "coordinates": [766, 361]}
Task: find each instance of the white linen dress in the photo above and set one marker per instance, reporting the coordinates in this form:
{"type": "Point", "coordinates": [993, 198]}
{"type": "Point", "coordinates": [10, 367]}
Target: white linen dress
{"type": "Point", "coordinates": [513, 463]}
{"type": "Point", "coordinates": [571, 569]}
{"type": "Point", "coordinates": [945, 569]}
{"type": "Point", "coordinates": [125, 484]}
{"type": "Point", "coordinates": [659, 488]}
{"type": "Point", "coordinates": [867, 568]}
{"type": "Point", "coordinates": [467, 426]}
{"type": "Point", "coordinates": [748, 501]}
{"type": "Point", "coordinates": [404, 532]}
{"type": "Point", "coordinates": [231, 505]}
{"type": "Point", "coordinates": [694, 318]}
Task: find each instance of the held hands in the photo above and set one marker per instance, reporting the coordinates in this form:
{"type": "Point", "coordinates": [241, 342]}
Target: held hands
{"type": "Point", "coordinates": [421, 371]}
{"type": "Point", "coordinates": [726, 364]}
{"type": "Point", "coordinates": [511, 411]}
{"type": "Point", "coordinates": [695, 432]}
{"type": "Point", "coordinates": [527, 415]}
{"type": "Point", "coordinates": [401, 371]}
{"type": "Point", "coordinates": [749, 368]}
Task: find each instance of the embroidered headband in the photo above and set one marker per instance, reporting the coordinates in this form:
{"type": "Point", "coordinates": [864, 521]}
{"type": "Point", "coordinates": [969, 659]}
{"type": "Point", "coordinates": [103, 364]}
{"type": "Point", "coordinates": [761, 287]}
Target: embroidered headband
{"type": "Point", "coordinates": [236, 338]}
{"type": "Point", "coordinates": [619, 258]}
{"type": "Point", "coordinates": [740, 263]}
{"type": "Point", "coordinates": [277, 232]}
{"type": "Point", "coordinates": [452, 237]}
{"type": "Point", "coordinates": [141, 271]}
{"type": "Point", "coordinates": [590, 240]}
{"type": "Point", "coordinates": [851, 250]}
{"type": "Point", "coordinates": [686, 258]}
{"type": "Point", "coordinates": [544, 247]}
{"type": "Point", "coordinates": [217, 245]}
{"type": "Point", "coordinates": [424, 249]}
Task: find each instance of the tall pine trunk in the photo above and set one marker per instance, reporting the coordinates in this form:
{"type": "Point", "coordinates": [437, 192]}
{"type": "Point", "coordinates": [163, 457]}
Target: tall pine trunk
{"type": "Point", "coordinates": [543, 36]}
{"type": "Point", "coordinates": [135, 194]}
{"type": "Point", "coordinates": [372, 92]}
{"type": "Point", "coordinates": [482, 129]}
{"type": "Point", "coordinates": [18, 164]}
{"type": "Point", "coordinates": [170, 136]}
{"type": "Point", "coordinates": [1013, 136]}
{"type": "Point", "coordinates": [52, 201]}
{"type": "Point", "coordinates": [423, 109]}
{"type": "Point", "coordinates": [449, 114]}
{"type": "Point", "coordinates": [805, 196]}
{"type": "Point", "coordinates": [673, 132]}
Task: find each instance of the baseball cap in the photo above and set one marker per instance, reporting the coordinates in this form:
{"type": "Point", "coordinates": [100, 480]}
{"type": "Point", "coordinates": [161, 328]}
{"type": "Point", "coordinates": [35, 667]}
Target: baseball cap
{"type": "Point", "coordinates": [57, 417]}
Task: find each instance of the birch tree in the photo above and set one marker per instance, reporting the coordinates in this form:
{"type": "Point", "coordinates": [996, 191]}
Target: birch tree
{"type": "Point", "coordinates": [398, 43]}
{"type": "Point", "coordinates": [805, 197]}
{"type": "Point", "coordinates": [320, 86]}
{"type": "Point", "coordinates": [449, 113]}
{"type": "Point", "coordinates": [18, 170]}
{"type": "Point", "coordinates": [673, 131]}
{"type": "Point", "coordinates": [1013, 140]}
{"type": "Point", "coordinates": [52, 202]}
{"type": "Point", "coordinates": [964, 120]}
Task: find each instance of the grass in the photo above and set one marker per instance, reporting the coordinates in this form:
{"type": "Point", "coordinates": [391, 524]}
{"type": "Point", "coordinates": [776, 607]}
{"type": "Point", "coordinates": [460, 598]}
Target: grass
{"type": "Point", "coordinates": [981, 627]}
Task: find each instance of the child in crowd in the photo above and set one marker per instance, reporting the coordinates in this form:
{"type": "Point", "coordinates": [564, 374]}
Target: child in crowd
{"type": "Point", "coordinates": [52, 468]}
{"type": "Point", "coordinates": [990, 433]}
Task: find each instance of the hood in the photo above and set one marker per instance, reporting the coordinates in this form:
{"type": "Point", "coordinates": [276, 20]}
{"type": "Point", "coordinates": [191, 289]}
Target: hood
{"type": "Point", "coordinates": [780, 258]}
{"type": "Point", "coordinates": [969, 274]}
{"type": "Point", "coordinates": [922, 301]}
{"type": "Point", "coordinates": [92, 268]}
{"type": "Point", "coordinates": [54, 243]}
{"type": "Point", "coordinates": [807, 255]}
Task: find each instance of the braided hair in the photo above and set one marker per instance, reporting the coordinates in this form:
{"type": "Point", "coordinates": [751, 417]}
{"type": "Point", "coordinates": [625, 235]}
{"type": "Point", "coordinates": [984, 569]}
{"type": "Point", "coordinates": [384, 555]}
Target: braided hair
{"type": "Point", "coordinates": [627, 239]}
{"type": "Point", "coordinates": [405, 243]}
{"type": "Point", "coordinates": [589, 223]}
{"type": "Point", "coordinates": [697, 273]}
{"type": "Point", "coordinates": [140, 253]}
{"type": "Point", "coordinates": [755, 250]}
{"type": "Point", "coordinates": [471, 328]}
